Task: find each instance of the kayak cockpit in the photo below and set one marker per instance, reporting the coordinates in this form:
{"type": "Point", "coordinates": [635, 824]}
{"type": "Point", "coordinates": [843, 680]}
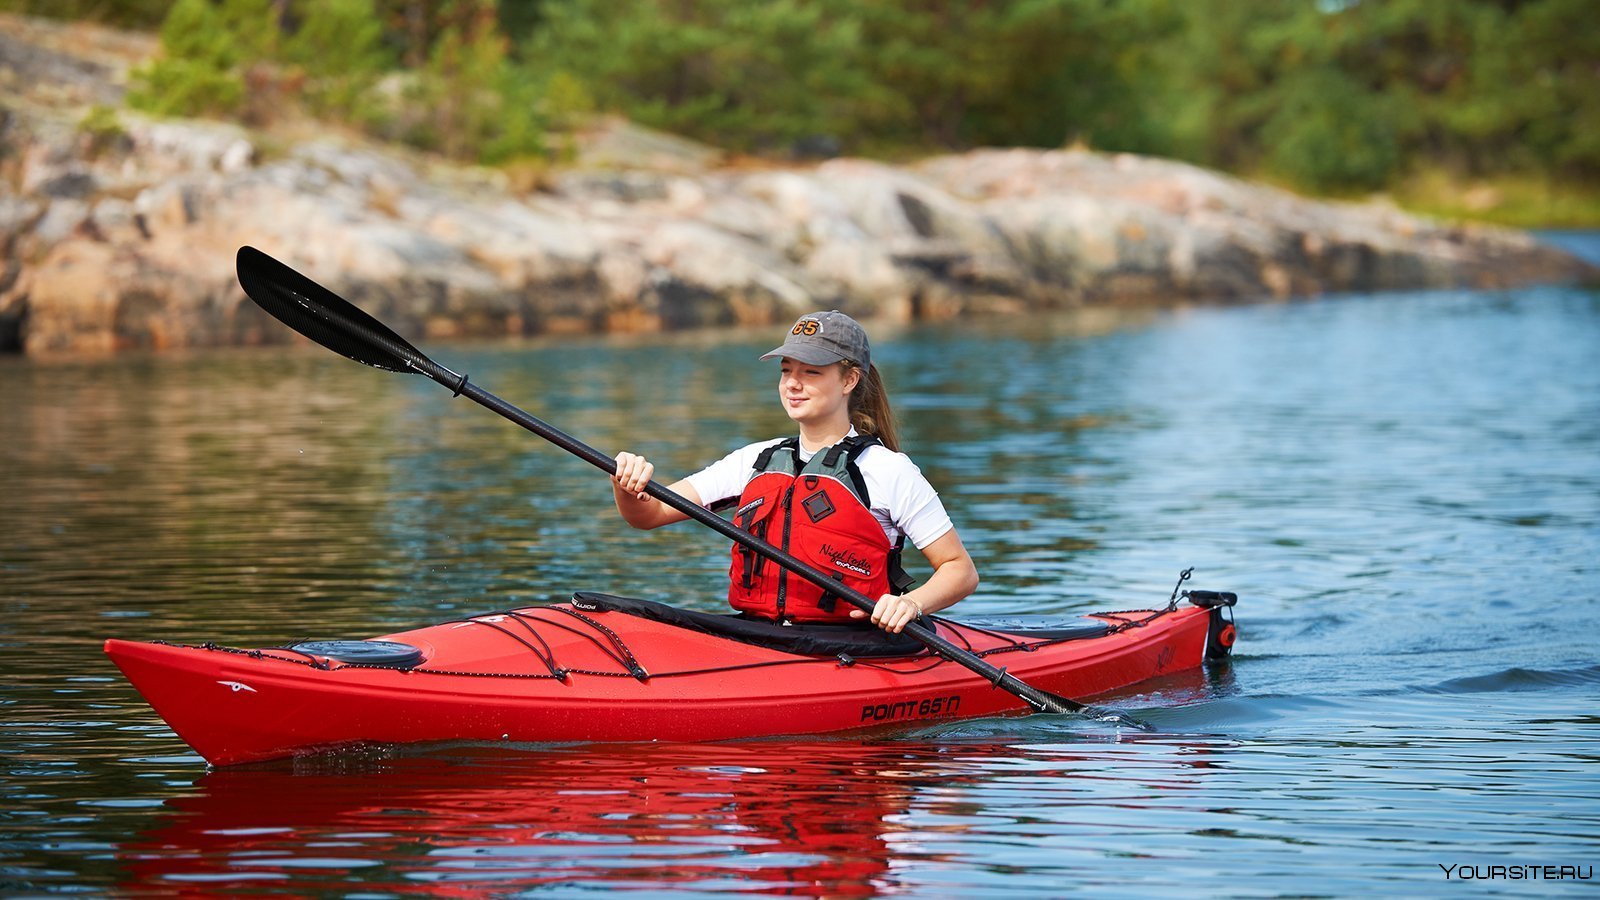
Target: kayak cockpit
{"type": "Point", "coordinates": [858, 641]}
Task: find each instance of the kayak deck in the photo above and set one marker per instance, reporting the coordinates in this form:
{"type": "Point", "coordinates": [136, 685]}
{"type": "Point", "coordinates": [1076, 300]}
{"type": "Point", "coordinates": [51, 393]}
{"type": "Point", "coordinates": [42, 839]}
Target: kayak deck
{"type": "Point", "coordinates": [606, 668]}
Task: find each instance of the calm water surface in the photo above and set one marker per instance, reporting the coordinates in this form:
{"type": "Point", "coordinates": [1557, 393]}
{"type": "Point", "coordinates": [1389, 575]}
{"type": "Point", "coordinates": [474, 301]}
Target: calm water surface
{"type": "Point", "coordinates": [1404, 490]}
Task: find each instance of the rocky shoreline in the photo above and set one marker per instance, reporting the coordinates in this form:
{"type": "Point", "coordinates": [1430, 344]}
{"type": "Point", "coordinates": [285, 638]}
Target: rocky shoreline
{"type": "Point", "coordinates": [127, 240]}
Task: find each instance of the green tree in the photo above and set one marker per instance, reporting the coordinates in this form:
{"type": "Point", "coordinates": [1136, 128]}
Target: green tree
{"type": "Point", "coordinates": [411, 28]}
{"type": "Point", "coordinates": [918, 73]}
{"type": "Point", "coordinates": [1032, 72]}
{"type": "Point", "coordinates": [746, 75]}
{"type": "Point", "coordinates": [1531, 98]}
{"type": "Point", "coordinates": [205, 50]}
{"type": "Point", "coordinates": [123, 13]}
{"type": "Point", "coordinates": [338, 46]}
{"type": "Point", "coordinates": [1355, 94]}
{"type": "Point", "coordinates": [475, 102]}
{"type": "Point", "coordinates": [1325, 132]}
{"type": "Point", "coordinates": [254, 59]}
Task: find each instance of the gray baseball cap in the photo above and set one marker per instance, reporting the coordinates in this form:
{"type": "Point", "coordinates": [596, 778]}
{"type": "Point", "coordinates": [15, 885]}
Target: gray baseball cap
{"type": "Point", "coordinates": [824, 338]}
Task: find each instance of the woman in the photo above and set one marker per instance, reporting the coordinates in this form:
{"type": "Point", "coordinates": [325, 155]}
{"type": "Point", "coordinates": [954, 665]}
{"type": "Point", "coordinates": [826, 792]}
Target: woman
{"type": "Point", "coordinates": [840, 495]}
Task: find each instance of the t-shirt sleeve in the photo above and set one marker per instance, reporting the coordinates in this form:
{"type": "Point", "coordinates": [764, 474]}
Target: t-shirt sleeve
{"type": "Point", "coordinates": [902, 492]}
{"type": "Point", "coordinates": [727, 477]}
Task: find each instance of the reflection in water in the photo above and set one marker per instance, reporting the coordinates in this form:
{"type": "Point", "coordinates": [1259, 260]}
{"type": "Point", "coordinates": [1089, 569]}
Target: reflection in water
{"type": "Point", "coordinates": [184, 482]}
{"type": "Point", "coordinates": [835, 819]}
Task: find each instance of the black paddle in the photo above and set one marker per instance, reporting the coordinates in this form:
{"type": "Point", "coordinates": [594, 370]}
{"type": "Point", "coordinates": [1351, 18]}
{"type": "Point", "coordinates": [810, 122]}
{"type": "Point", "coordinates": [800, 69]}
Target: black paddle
{"type": "Point", "coordinates": [337, 324]}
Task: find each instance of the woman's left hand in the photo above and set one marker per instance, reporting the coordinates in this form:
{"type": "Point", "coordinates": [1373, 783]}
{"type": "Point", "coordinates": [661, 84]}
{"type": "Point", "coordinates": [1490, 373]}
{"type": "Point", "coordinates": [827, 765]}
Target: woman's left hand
{"type": "Point", "coordinates": [892, 613]}
{"type": "Point", "coordinates": [954, 577]}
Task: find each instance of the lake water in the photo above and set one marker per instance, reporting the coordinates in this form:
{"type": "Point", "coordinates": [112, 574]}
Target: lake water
{"type": "Point", "coordinates": [1403, 489]}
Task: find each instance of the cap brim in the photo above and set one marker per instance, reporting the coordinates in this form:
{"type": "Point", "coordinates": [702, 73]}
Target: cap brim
{"type": "Point", "coordinates": [811, 356]}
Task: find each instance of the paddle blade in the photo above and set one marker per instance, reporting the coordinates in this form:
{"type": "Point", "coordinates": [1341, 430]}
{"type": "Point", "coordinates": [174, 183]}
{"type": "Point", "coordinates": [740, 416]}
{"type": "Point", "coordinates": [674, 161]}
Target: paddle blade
{"type": "Point", "coordinates": [322, 315]}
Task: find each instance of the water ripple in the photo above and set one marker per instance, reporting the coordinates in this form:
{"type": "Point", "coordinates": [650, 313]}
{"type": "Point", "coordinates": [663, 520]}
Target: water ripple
{"type": "Point", "coordinates": [1404, 490]}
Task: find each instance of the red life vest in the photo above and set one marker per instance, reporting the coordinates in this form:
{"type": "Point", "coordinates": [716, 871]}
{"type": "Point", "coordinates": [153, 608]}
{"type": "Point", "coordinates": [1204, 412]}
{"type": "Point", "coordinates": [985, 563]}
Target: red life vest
{"type": "Point", "coordinates": [818, 512]}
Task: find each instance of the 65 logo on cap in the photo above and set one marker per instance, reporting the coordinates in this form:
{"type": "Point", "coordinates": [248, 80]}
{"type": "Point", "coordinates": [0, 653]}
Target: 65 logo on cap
{"type": "Point", "coordinates": [824, 338]}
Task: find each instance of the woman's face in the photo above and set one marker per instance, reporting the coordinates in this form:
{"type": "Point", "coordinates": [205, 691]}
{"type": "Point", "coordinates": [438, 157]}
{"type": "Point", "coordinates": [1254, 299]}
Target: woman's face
{"type": "Point", "coordinates": [815, 395]}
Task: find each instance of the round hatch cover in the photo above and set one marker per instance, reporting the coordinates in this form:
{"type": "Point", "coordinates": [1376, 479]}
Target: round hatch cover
{"type": "Point", "coordinates": [390, 654]}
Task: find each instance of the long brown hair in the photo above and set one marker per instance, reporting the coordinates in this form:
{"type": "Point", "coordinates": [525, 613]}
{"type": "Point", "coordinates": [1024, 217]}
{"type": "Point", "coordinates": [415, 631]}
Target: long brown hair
{"type": "Point", "coordinates": [869, 406]}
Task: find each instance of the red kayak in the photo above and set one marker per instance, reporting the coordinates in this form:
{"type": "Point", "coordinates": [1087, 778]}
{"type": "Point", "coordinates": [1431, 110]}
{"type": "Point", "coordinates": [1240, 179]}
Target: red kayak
{"type": "Point", "coordinates": [605, 668]}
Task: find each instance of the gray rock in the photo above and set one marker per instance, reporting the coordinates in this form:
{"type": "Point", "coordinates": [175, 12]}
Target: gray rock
{"type": "Point", "coordinates": [131, 243]}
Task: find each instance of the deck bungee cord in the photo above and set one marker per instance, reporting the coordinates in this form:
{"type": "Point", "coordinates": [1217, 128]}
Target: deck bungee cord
{"type": "Point", "coordinates": [334, 655]}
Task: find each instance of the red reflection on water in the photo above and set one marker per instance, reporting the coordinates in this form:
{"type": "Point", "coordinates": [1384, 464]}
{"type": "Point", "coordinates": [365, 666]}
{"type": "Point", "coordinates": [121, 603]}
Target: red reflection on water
{"type": "Point", "coordinates": [814, 818]}
{"type": "Point", "coordinates": [804, 819]}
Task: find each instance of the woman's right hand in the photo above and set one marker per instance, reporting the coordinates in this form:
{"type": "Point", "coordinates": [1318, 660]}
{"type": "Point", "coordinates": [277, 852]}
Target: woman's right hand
{"type": "Point", "coordinates": [633, 473]}
{"type": "Point", "coordinates": [637, 507]}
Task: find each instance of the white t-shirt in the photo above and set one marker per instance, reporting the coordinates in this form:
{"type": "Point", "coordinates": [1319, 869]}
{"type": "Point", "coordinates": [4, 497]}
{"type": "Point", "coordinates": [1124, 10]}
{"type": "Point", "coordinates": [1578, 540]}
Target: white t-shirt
{"type": "Point", "coordinates": [902, 500]}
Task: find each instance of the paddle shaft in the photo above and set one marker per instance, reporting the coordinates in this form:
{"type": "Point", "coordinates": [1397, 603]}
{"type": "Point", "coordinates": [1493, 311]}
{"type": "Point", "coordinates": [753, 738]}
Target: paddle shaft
{"type": "Point", "coordinates": [1043, 701]}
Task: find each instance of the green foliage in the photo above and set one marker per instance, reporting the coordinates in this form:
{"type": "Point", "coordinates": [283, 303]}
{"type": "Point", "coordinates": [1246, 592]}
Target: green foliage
{"type": "Point", "coordinates": [517, 129]}
{"type": "Point", "coordinates": [746, 75]}
{"type": "Point", "coordinates": [339, 48]}
{"type": "Point", "coordinates": [122, 13]}
{"type": "Point", "coordinates": [1335, 95]}
{"type": "Point", "coordinates": [1518, 201]}
{"type": "Point", "coordinates": [102, 127]}
{"type": "Point", "coordinates": [1532, 93]}
{"type": "Point", "coordinates": [1331, 95]}
{"type": "Point", "coordinates": [1029, 72]}
{"type": "Point", "coordinates": [471, 100]}
{"type": "Point", "coordinates": [468, 100]}
{"type": "Point", "coordinates": [1354, 95]}
{"type": "Point", "coordinates": [252, 29]}
{"type": "Point", "coordinates": [1328, 134]}
{"type": "Point", "coordinates": [946, 64]}
{"type": "Point", "coordinates": [761, 76]}
{"type": "Point", "coordinates": [412, 28]}
{"type": "Point", "coordinates": [520, 19]}
{"type": "Point", "coordinates": [200, 70]}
